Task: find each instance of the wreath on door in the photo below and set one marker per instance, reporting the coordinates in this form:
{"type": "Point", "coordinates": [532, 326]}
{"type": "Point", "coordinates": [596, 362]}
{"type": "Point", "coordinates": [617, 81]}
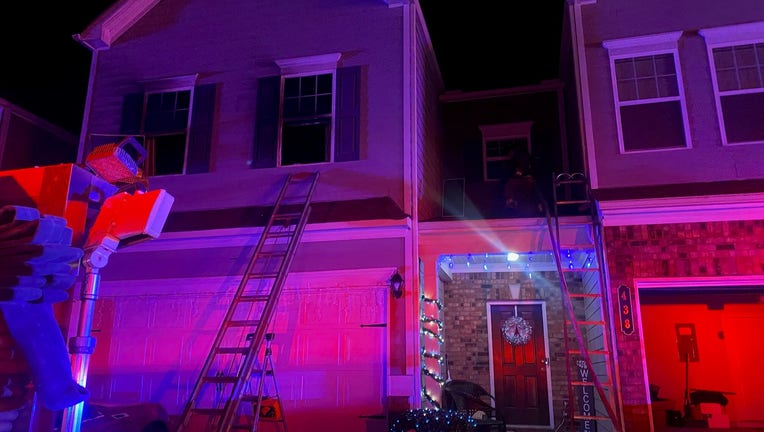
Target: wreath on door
{"type": "Point", "coordinates": [517, 330]}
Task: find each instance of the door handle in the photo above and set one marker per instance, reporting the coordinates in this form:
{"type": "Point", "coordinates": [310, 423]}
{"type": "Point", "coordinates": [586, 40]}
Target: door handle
{"type": "Point", "coordinates": [545, 361]}
{"type": "Point", "coordinates": [374, 325]}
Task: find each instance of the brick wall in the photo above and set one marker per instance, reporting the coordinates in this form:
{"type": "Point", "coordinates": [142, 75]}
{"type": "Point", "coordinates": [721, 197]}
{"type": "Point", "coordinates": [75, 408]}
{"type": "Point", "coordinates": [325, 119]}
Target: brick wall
{"type": "Point", "coordinates": [673, 250]}
{"type": "Point", "coordinates": [466, 331]}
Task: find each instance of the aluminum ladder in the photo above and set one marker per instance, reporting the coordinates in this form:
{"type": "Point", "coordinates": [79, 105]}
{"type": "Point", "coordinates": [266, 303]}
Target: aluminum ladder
{"type": "Point", "coordinates": [215, 401]}
{"type": "Point", "coordinates": [266, 407]}
{"type": "Point", "coordinates": [590, 365]}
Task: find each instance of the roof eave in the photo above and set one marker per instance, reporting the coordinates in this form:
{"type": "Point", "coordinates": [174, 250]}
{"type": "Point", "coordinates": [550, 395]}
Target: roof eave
{"type": "Point", "coordinates": [113, 23]}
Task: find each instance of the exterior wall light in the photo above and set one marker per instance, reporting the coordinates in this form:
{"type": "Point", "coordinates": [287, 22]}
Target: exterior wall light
{"type": "Point", "coordinates": [396, 284]}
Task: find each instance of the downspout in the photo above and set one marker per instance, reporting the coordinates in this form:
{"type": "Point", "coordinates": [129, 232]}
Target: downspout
{"type": "Point", "coordinates": [410, 171]}
{"type": "Point", "coordinates": [88, 98]}
{"type": "Point", "coordinates": [582, 89]}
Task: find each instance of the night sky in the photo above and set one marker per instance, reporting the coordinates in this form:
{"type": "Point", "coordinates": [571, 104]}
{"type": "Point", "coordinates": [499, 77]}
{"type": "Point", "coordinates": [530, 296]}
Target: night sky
{"type": "Point", "coordinates": [478, 47]}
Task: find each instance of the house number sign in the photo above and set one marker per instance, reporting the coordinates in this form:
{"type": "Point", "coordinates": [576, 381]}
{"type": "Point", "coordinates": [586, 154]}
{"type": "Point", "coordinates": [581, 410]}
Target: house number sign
{"type": "Point", "coordinates": [625, 311]}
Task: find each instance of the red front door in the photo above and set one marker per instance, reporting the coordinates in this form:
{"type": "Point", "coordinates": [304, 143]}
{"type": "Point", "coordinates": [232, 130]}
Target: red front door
{"type": "Point", "coordinates": [520, 369]}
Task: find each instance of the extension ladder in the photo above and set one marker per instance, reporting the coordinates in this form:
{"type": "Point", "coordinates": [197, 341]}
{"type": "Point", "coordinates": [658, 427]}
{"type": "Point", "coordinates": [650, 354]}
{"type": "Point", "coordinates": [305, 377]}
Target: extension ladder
{"type": "Point", "coordinates": [214, 404]}
{"type": "Point", "coordinates": [590, 367]}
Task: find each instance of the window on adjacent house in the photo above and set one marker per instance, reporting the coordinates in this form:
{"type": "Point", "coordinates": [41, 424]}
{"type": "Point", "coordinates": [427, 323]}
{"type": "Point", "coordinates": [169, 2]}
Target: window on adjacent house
{"type": "Point", "coordinates": [506, 149]}
{"type": "Point", "coordinates": [650, 108]}
{"type": "Point", "coordinates": [309, 114]}
{"type": "Point", "coordinates": [173, 119]}
{"type": "Point", "coordinates": [736, 55]}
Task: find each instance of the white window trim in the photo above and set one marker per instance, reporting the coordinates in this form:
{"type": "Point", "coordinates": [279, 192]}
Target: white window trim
{"type": "Point", "coordinates": [657, 44]}
{"type": "Point", "coordinates": [727, 36]}
{"type": "Point", "coordinates": [306, 66]}
{"type": "Point", "coordinates": [497, 132]}
{"type": "Point", "coordinates": [166, 85]}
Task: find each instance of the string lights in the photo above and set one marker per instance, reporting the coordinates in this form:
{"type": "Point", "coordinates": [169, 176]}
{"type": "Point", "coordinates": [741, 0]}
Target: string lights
{"type": "Point", "coordinates": [436, 302]}
{"type": "Point", "coordinates": [429, 420]}
{"type": "Point", "coordinates": [434, 375]}
{"type": "Point", "coordinates": [431, 327]}
{"type": "Point", "coordinates": [433, 355]}
{"type": "Point", "coordinates": [428, 320]}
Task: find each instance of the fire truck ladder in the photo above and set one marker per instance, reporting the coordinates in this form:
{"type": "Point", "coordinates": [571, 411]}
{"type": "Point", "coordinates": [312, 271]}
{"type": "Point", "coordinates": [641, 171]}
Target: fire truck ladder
{"type": "Point", "coordinates": [590, 367]}
{"type": "Point", "coordinates": [215, 401]}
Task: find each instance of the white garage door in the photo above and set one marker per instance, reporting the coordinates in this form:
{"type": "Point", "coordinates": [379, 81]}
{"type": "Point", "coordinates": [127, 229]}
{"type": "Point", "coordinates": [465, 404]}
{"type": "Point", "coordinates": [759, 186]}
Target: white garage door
{"type": "Point", "coordinates": [328, 350]}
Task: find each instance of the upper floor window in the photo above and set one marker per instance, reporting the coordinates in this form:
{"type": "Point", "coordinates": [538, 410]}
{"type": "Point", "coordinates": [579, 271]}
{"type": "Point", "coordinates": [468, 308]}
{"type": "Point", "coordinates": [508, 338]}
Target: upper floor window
{"type": "Point", "coordinates": [736, 56]}
{"type": "Point", "coordinates": [173, 119]}
{"type": "Point", "coordinates": [309, 114]}
{"type": "Point", "coordinates": [166, 131]}
{"type": "Point", "coordinates": [306, 125]}
{"type": "Point", "coordinates": [506, 150]}
{"type": "Point", "coordinates": [649, 99]}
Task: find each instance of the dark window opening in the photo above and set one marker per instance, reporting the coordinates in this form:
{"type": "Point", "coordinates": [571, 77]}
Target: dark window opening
{"type": "Point", "coordinates": [305, 143]}
{"type": "Point", "coordinates": [165, 123]}
{"type": "Point", "coordinates": [307, 120]}
{"type": "Point", "coordinates": [168, 152]}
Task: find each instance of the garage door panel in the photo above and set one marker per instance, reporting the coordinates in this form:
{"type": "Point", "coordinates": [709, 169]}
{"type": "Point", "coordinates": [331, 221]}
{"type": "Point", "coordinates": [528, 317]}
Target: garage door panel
{"type": "Point", "coordinates": [315, 349]}
{"type": "Point", "coordinates": [321, 310]}
{"type": "Point", "coordinates": [329, 370]}
{"type": "Point", "coordinates": [364, 307]}
{"type": "Point", "coordinates": [359, 347]}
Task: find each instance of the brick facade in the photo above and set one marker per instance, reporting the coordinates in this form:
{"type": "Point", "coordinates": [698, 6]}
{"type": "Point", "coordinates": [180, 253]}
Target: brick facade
{"type": "Point", "coordinates": [465, 323]}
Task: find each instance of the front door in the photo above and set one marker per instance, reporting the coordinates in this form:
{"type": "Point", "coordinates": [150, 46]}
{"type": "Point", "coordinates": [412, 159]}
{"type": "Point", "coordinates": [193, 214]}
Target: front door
{"type": "Point", "coordinates": [519, 362]}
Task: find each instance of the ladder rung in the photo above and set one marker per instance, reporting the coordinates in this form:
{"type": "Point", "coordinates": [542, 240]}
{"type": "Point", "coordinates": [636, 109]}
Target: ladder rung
{"type": "Point", "coordinates": [577, 181]}
{"type": "Point", "coordinates": [588, 323]}
{"type": "Point", "coordinates": [257, 275]}
{"type": "Point", "coordinates": [208, 411]}
{"type": "Point", "coordinates": [596, 352]}
{"type": "Point", "coordinates": [220, 379]}
{"type": "Point", "coordinates": [232, 350]}
{"type": "Point", "coordinates": [253, 298]}
{"type": "Point", "coordinates": [583, 417]}
{"type": "Point", "coordinates": [286, 216]}
{"type": "Point", "coordinates": [587, 384]}
{"type": "Point", "coordinates": [270, 254]}
{"type": "Point", "coordinates": [570, 202]}
{"type": "Point", "coordinates": [279, 234]}
{"type": "Point", "coordinates": [244, 323]}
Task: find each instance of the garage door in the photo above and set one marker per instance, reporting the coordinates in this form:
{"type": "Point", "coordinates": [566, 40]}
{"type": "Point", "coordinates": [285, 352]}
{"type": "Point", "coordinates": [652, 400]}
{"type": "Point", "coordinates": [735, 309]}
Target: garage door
{"type": "Point", "coordinates": [328, 350]}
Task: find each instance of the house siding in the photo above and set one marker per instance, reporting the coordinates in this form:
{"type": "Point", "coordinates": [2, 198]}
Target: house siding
{"type": "Point", "coordinates": [707, 160]}
{"type": "Point", "coordinates": [233, 50]}
{"type": "Point", "coordinates": [429, 86]}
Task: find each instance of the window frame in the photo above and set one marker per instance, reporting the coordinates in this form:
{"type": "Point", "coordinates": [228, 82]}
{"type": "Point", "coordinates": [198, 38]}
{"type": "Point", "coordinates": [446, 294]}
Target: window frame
{"type": "Point", "coordinates": [168, 85]}
{"type": "Point", "coordinates": [642, 46]}
{"type": "Point", "coordinates": [302, 67]}
{"type": "Point", "coordinates": [500, 132]}
{"type": "Point", "coordinates": [728, 37]}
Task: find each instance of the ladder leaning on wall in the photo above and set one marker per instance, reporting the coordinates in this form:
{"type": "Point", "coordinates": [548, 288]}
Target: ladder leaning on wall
{"type": "Point", "coordinates": [216, 400]}
{"type": "Point", "coordinates": [590, 365]}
